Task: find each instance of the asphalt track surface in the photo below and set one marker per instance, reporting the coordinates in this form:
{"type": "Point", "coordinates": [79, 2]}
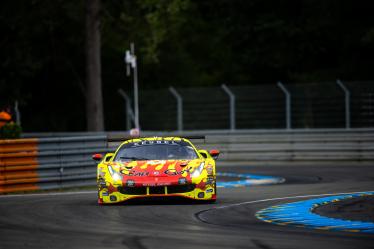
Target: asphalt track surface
{"type": "Point", "coordinates": [75, 220]}
{"type": "Point", "coordinates": [349, 208]}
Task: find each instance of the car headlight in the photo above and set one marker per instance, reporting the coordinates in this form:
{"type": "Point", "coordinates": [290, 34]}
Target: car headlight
{"type": "Point", "coordinates": [198, 170]}
{"type": "Point", "coordinates": [115, 175]}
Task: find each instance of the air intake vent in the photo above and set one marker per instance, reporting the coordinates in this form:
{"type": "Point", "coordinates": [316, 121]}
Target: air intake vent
{"type": "Point", "coordinates": [133, 190]}
{"type": "Point", "coordinates": [157, 190]}
{"type": "Point", "coordinates": [180, 188]}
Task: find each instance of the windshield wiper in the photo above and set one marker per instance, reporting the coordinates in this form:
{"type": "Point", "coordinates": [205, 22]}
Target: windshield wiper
{"type": "Point", "coordinates": [133, 158]}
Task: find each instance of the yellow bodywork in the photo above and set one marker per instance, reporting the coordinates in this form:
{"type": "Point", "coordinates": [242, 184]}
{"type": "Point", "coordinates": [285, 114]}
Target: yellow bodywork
{"type": "Point", "coordinates": [120, 181]}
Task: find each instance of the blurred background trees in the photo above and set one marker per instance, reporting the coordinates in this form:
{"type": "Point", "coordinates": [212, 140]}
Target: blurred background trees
{"type": "Point", "coordinates": [93, 90]}
{"type": "Point", "coordinates": [179, 42]}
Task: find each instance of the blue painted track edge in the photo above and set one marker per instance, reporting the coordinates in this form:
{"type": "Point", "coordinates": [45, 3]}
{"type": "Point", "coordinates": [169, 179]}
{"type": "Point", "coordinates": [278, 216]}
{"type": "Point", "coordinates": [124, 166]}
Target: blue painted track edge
{"type": "Point", "coordinates": [300, 214]}
{"type": "Point", "coordinates": [248, 180]}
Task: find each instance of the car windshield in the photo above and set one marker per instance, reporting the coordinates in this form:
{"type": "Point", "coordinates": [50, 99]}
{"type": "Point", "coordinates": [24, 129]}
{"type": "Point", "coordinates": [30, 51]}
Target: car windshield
{"type": "Point", "coordinates": [156, 150]}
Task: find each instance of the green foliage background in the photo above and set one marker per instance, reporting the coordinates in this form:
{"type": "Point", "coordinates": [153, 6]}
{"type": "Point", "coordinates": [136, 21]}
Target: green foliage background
{"type": "Point", "coordinates": [10, 131]}
{"type": "Point", "coordinates": [178, 42]}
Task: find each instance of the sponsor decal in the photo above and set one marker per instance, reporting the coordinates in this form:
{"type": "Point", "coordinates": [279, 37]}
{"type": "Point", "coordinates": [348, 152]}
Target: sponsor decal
{"type": "Point", "coordinates": [135, 173]}
{"type": "Point", "coordinates": [209, 190]}
{"type": "Point", "coordinates": [105, 194]}
{"type": "Point", "coordinates": [174, 172]}
{"type": "Point", "coordinates": [101, 172]}
{"type": "Point", "coordinates": [209, 169]}
{"type": "Point", "coordinates": [210, 181]}
{"type": "Point", "coordinates": [102, 183]}
{"type": "Point", "coordinates": [153, 142]}
{"type": "Point", "coordinates": [130, 183]}
{"type": "Point", "coordinates": [153, 184]}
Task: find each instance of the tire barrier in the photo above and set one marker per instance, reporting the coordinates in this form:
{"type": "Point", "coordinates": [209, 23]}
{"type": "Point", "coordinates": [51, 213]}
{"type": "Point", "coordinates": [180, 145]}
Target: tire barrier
{"type": "Point", "coordinates": [48, 163]}
{"type": "Point", "coordinates": [249, 180]}
{"type": "Point", "coordinates": [300, 214]}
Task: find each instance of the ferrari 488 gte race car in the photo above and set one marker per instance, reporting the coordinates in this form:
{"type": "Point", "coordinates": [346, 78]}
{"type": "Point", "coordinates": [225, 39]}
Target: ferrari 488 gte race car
{"type": "Point", "coordinates": [156, 166]}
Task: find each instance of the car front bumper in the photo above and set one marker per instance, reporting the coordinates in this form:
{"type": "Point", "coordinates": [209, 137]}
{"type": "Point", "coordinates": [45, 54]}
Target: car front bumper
{"type": "Point", "coordinates": [115, 194]}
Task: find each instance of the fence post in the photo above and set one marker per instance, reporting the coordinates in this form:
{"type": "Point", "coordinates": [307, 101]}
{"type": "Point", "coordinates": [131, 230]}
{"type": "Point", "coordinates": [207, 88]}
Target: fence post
{"type": "Point", "coordinates": [17, 112]}
{"type": "Point", "coordinates": [288, 104]}
{"type": "Point", "coordinates": [130, 60]}
{"type": "Point", "coordinates": [179, 99]}
{"type": "Point", "coordinates": [129, 113]}
{"type": "Point", "coordinates": [347, 103]}
{"type": "Point", "coordinates": [232, 106]}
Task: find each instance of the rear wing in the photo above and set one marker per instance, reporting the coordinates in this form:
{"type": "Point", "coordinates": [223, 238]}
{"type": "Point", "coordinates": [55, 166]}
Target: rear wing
{"type": "Point", "coordinates": [194, 137]}
{"type": "Point", "coordinates": [121, 138]}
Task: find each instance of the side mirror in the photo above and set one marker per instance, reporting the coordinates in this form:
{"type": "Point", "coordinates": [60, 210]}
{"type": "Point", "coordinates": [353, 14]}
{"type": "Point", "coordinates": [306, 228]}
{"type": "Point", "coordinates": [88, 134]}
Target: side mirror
{"type": "Point", "coordinates": [214, 154]}
{"type": "Point", "coordinates": [97, 157]}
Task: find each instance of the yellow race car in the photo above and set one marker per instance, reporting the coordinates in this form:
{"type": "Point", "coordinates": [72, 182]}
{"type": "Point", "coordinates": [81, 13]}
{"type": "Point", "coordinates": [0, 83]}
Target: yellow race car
{"type": "Point", "coordinates": [156, 166]}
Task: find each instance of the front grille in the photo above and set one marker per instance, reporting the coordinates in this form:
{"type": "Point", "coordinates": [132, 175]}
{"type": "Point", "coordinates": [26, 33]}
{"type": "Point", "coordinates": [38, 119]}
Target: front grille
{"type": "Point", "coordinates": [181, 188]}
{"type": "Point", "coordinates": [133, 190]}
{"type": "Point", "coordinates": [157, 190]}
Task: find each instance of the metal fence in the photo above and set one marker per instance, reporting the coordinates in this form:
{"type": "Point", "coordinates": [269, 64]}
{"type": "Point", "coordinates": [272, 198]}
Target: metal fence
{"type": "Point", "coordinates": [65, 162]}
{"type": "Point", "coordinates": [49, 163]}
{"type": "Point", "coordinates": [280, 105]}
{"type": "Point", "coordinates": [53, 163]}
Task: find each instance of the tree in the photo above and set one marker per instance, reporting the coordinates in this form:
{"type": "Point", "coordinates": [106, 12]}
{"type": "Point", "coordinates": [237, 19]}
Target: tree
{"type": "Point", "coordinates": [179, 43]}
{"type": "Point", "coordinates": [94, 98]}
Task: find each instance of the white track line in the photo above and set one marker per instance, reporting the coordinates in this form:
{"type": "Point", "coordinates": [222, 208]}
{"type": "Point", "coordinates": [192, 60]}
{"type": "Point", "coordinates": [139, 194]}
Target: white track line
{"type": "Point", "coordinates": [288, 197]}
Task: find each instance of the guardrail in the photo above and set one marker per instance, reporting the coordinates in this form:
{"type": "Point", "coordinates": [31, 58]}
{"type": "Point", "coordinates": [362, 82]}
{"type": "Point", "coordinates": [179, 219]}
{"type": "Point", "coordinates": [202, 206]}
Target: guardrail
{"type": "Point", "coordinates": [254, 150]}
{"type": "Point", "coordinates": [48, 163]}
{"type": "Point", "coordinates": [283, 147]}
{"type": "Point", "coordinates": [53, 163]}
